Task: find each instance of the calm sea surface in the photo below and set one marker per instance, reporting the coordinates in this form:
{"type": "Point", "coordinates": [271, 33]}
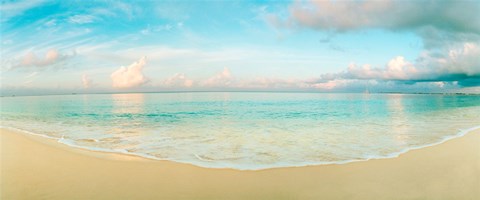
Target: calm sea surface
{"type": "Point", "coordinates": [246, 130]}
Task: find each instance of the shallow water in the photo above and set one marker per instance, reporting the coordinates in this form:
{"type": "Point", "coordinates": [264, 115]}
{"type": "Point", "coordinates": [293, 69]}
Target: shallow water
{"type": "Point", "coordinates": [243, 130]}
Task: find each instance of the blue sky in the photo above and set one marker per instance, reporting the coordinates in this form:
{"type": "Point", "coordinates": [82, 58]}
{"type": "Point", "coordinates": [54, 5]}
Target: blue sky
{"type": "Point", "coordinates": [326, 46]}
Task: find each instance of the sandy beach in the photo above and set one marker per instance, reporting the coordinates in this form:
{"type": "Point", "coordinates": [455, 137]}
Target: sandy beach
{"type": "Point", "coordinates": [34, 167]}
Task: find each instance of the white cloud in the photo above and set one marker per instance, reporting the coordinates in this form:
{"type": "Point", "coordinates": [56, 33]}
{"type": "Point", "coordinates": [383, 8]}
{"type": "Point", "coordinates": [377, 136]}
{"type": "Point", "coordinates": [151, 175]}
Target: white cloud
{"type": "Point", "coordinates": [266, 83]}
{"type": "Point", "coordinates": [436, 22]}
{"type": "Point", "coordinates": [31, 75]}
{"type": "Point", "coordinates": [387, 14]}
{"type": "Point", "coordinates": [15, 8]}
{"type": "Point", "coordinates": [86, 81]}
{"type": "Point", "coordinates": [29, 79]}
{"type": "Point", "coordinates": [450, 40]}
{"type": "Point", "coordinates": [50, 23]}
{"type": "Point", "coordinates": [173, 11]}
{"type": "Point", "coordinates": [222, 79]}
{"type": "Point", "coordinates": [131, 76]}
{"type": "Point", "coordinates": [81, 19]}
{"type": "Point", "coordinates": [332, 84]}
{"type": "Point", "coordinates": [178, 80]}
{"type": "Point", "coordinates": [27, 83]}
{"type": "Point", "coordinates": [461, 64]}
{"type": "Point", "coordinates": [52, 58]}
{"type": "Point", "coordinates": [396, 69]}
{"type": "Point", "coordinates": [465, 59]}
{"type": "Point", "coordinates": [439, 84]}
{"type": "Point", "coordinates": [7, 42]}
{"type": "Point", "coordinates": [152, 29]}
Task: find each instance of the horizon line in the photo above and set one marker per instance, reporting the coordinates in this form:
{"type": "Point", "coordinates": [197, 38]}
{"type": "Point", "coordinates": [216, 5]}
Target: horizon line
{"type": "Point", "coordinates": [240, 91]}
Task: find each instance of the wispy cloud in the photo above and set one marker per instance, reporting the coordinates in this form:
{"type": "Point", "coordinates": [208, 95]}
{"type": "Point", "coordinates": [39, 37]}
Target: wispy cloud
{"type": "Point", "coordinates": [51, 23]}
{"type": "Point", "coordinates": [31, 75]}
{"type": "Point", "coordinates": [30, 60]}
{"type": "Point", "coordinates": [159, 28]}
{"type": "Point", "coordinates": [29, 79]}
{"type": "Point", "coordinates": [81, 19]}
{"type": "Point", "coordinates": [11, 9]}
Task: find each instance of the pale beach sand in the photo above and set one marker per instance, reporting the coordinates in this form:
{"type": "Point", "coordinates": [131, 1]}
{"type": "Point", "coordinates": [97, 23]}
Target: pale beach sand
{"type": "Point", "coordinates": [34, 167]}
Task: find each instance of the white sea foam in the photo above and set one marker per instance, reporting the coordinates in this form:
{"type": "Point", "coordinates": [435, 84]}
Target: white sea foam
{"type": "Point", "coordinates": [72, 143]}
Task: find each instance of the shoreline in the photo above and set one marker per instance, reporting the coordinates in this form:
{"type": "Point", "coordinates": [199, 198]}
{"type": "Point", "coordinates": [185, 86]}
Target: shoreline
{"type": "Point", "coordinates": [36, 168]}
{"type": "Point", "coordinates": [459, 134]}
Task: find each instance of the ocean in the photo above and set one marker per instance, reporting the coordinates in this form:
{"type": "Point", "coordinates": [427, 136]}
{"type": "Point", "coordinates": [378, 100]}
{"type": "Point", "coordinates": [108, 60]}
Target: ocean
{"type": "Point", "coordinates": [246, 130]}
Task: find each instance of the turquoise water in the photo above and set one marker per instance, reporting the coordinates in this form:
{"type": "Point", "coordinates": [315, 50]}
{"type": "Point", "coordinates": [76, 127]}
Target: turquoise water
{"type": "Point", "coordinates": [246, 130]}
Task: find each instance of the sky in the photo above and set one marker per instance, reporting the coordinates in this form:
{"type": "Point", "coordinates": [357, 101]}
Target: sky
{"type": "Point", "coordinates": [54, 47]}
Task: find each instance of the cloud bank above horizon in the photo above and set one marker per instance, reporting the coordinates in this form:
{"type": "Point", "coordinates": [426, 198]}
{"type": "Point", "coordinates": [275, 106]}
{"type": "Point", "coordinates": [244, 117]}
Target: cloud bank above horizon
{"type": "Point", "coordinates": [451, 41]}
{"type": "Point", "coordinates": [325, 46]}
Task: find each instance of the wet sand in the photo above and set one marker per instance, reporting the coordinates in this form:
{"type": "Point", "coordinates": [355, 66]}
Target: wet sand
{"type": "Point", "coordinates": [33, 167]}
